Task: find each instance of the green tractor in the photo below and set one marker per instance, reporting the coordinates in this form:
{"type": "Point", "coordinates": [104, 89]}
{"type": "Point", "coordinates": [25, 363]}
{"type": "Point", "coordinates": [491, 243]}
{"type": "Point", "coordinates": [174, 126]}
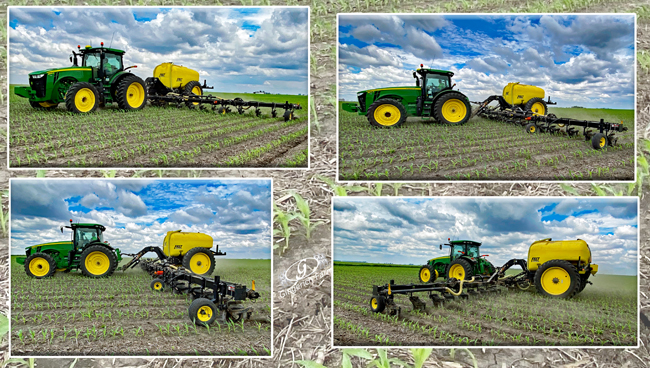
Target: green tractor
{"type": "Point", "coordinates": [86, 251]}
{"type": "Point", "coordinates": [464, 262]}
{"type": "Point", "coordinates": [433, 97]}
{"type": "Point", "coordinates": [100, 79]}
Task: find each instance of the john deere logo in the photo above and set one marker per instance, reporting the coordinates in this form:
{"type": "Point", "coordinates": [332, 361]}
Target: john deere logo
{"type": "Point", "coordinates": [535, 259]}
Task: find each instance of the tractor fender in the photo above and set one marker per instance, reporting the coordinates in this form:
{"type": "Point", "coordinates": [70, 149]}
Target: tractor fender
{"type": "Point", "coordinates": [115, 81]}
{"type": "Point", "coordinates": [442, 93]}
{"type": "Point", "coordinates": [392, 97]}
{"type": "Point", "coordinates": [106, 245]}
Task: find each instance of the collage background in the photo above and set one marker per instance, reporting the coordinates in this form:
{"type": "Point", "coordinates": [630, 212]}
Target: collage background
{"type": "Point", "coordinates": [302, 325]}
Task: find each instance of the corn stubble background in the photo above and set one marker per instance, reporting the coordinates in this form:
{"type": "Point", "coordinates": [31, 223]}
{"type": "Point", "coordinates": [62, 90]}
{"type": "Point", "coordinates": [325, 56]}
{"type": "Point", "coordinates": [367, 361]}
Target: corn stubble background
{"type": "Point", "coordinates": [303, 323]}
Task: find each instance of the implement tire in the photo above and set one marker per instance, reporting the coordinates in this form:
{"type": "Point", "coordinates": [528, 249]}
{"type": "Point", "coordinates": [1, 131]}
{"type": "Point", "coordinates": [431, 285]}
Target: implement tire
{"type": "Point", "coordinates": [537, 106]}
{"type": "Point", "coordinates": [199, 261]}
{"type": "Point", "coordinates": [131, 93]}
{"type": "Point", "coordinates": [97, 261]}
{"type": "Point", "coordinates": [40, 265]}
{"type": "Point", "coordinates": [452, 108]}
{"type": "Point", "coordinates": [377, 304]}
{"type": "Point", "coordinates": [599, 141]}
{"type": "Point", "coordinates": [193, 88]}
{"type": "Point", "coordinates": [202, 312]}
{"type": "Point", "coordinates": [386, 113]}
{"type": "Point", "coordinates": [82, 98]}
{"type": "Point", "coordinates": [557, 279]}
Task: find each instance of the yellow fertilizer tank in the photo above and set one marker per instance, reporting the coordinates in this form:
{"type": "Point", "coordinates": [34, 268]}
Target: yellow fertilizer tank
{"type": "Point", "coordinates": [175, 76]}
{"type": "Point", "coordinates": [192, 248]}
{"type": "Point", "coordinates": [530, 98]}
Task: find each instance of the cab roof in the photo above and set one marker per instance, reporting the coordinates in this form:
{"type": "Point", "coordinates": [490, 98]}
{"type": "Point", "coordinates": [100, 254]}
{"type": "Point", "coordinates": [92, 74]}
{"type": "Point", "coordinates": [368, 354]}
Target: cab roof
{"type": "Point", "coordinates": [464, 242]}
{"type": "Point", "coordinates": [108, 49]}
{"type": "Point", "coordinates": [435, 71]}
{"type": "Point", "coordinates": [97, 226]}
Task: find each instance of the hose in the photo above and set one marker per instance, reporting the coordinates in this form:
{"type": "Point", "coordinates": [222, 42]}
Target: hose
{"type": "Point", "coordinates": [460, 289]}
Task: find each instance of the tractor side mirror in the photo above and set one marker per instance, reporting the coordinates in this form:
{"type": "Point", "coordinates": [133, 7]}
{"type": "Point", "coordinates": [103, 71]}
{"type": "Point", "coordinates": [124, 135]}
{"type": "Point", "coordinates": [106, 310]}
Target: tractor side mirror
{"type": "Point", "coordinates": [440, 246]}
{"type": "Point", "coordinates": [61, 229]}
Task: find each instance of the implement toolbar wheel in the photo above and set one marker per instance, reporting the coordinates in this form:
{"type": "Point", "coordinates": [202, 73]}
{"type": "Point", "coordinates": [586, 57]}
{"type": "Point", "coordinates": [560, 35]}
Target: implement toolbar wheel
{"type": "Point", "coordinates": [531, 128]}
{"type": "Point", "coordinates": [377, 304]}
{"type": "Point", "coordinates": [386, 113]}
{"type": "Point", "coordinates": [537, 106]}
{"type": "Point", "coordinates": [202, 311]}
{"type": "Point", "coordinates": [288, 115]}
{"type": "Point", "coordinates": [157, 285]}
{"type": "Point", "coordinates": [98, 261]}
{"type": "Point", "coordinates": [428, 274]}
{"type": "Point", "coordinates": [40, 265]}
{"type": "Point", "coordinates": [599, 141]}
{"type": "Point", "coordinates": [131, 93]}
{"type": "Point", "coordinates": [200, 261]}
{"type": "Point", "coordinates": [193, 88]}
{"type": "Point", "coordinates": [82, 98]}
{"type": "Point", "coordinates": [558, 279]}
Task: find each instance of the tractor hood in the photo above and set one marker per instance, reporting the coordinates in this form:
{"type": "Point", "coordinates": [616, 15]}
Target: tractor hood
{"type": "Point", "coordinates": [391, 89]}
{"type": "Point", "coordinates": [445, 258]}
{"type": "Point", "coordinates": [64, 243]}
{"type": "Point", "coordinates": [45, 71]}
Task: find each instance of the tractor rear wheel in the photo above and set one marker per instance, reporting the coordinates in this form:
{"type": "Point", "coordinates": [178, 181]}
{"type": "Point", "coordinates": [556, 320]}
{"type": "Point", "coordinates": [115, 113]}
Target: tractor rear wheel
{"type": "Point", "coordinates": [157, 285]}
{"type": "Point", "coordinates": [202, 311]}
{"type": "Point", "coordinates": [193, 88]}
{"type": "Point", "coordinates": [82, 98]}
{"type": "Point", "coordinates": [558, 279]}
{"type": "Point", "coordinates": [98, 261]}
{"type": "Point", "coordinates": [537, 106]}
{"type": "Point", "coordinates": [377, 304]}
{"type": "Point", "coordinates": [386, 113]}
{"type": "Point", "coordinates": [428, 274]}
{"type": "Point", "coordinates": [131, 93]}
{"type": "Point", "coordinates": [452, 108]}
{"type": "Point", "coordinates": [599, 141]}
{"type": "Point", "coordinates": [199, 260]}
{"type": "Point", "coordinates": [39, 265]}
{"type": "Point", "coordinates": [43, 105]}
{"type": "Point", "coordinates": [459, 269]}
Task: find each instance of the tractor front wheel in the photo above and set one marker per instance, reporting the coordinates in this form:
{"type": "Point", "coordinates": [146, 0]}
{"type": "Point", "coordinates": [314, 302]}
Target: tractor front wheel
{"type": "Point", "coordinates": [43, 105]}
{"type": "Point", "coordinates": [558, 279]}
{"type": "Point", "coordinates": [537, 106]}
{"type": "Point", "coordinates": [452, 108]}
{"type": "Point", "coordinates": [40, 265]}
{"type": "Point", "coordinates": [386, 113]}
{"type": "Point", "coordinates": [131, 93]}
{"type": "Point", "coordinates": [428, 274]}
{"type": "Point", "coordinates": [199, 260]}
{"type": "Point", "coordinates": [81, 98]}
{"type": "Point", "coordinates": [377, 304]}
{"type": "Point", "coordinates": [459, 269]}
{"type": "Point", "coordinates": [98, 261]}
{"type": "Point", "coordinates": [202, 311]}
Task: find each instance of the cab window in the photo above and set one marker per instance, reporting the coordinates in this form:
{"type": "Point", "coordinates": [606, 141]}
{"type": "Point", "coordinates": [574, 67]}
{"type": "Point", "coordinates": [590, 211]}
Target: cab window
{"type": "Point", "coordinates": [112, 63]}
{"type": "Point", "coordinates": [91, 60]}
{"type": "Point", "coordinates": [435, 84]}
{"type": "Point", "coordinates": [457, 251]}
{"type": "Point", "coordinates": [472, 251]}
{"type": "Point", "coordinates": [85, 236]}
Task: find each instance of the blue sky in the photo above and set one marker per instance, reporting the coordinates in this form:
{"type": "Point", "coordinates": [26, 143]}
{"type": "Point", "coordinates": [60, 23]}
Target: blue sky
{"type": "Point", "coordinates": [584, 60]}
{"type": "Point", "coordinates": [138, 213]}
{"type": "Point", "coordinates": [409, 230]}
{"type": "Point", "coordinates": [234, 49]}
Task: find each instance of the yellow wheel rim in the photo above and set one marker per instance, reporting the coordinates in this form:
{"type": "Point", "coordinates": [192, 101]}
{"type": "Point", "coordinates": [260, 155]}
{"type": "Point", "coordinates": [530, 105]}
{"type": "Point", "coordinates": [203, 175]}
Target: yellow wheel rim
{"type": "Point", "coordinates": [387, 115]}
{"type": "Point", "coordinates": [373, 303]}
{"type": "Point", "coordinates": [454, 110]}
{"type": "Point", "coordinates": [200, 263]}
{"type": "Point", "coordinates": [157, 286]}
{"type": "Point", "coordinates": [532, 129]}
{"type": "Point", "coordinates": [135, 94]}
{"type": "Point", "coordinates": [84, 100]}
{"type": "Point", "coordinates": [556, 281]}
{"type": "Point", "coordinates": [538, 108]}
{"type": "Point", "coordinates": [39, 267]}
{"type": "Point", "coordinates": [204, 313]}
{"type": "Point", "coordinates": [97, 263]}
{"type": "Point", "coordinates": [47, 104]}
{"type": "Point", "coordinates": [425, 275]}
{"type": "Point", "coordinates": [602, 142]}
{"type": "Point", "coordinates": [457, 271]}
{"type": "Point", "coordinates": [197, 91]}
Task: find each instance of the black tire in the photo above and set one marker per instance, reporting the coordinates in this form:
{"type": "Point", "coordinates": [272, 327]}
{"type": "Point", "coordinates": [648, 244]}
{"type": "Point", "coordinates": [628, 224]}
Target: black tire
{"type": "Point", "coordinates": [450, 97]}
{"type": "Point", "coordinates": [39, 257]}
{"type": "Point", "coordinates": [583, 281]}
{"type": "Point", "coordinates": [187, 91]}
{"type": "Point", "coordinates": [85, 105]}
{"type": "Point", "coordinates": [202, 312]}
{"type": "Point", "coordinates": [432, 274]}
{"type": "Point", "coordinates": [188, 263]}
{"type": "Point", "coordinates": [467, 267]}
{"type": "Point", "coordinates": [533, 101]}
{"type": "Point", "coordinates": [111, 265]}
{"type": "Point", "coordinates": [138, 93]}
{"type": "Point", "coordinates": [531, 128]}
{"type": "Point", "coordinates": [490, 268]}
{"type": "Point", "coordinates": [599, 141]}
{"type": "Point", "coordinates": [37, 105]}
{"type": "Point", "coordinates": [377, 304]}
{"type": "Point", "coordinates": [222, 111]}
{"type": "Point", "coordinates": [288, 115]}
{"type": "Point", "coordinates": [390, 121]}
{"type": "Point", "coordinates": [572, 277]}
{"type": "Point", "coordinates": [157, 285]}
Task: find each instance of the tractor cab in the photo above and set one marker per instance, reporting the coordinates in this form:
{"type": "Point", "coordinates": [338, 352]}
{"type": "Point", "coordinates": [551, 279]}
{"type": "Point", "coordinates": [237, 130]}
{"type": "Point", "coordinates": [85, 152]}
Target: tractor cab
{"type": "Point", "coordinates": [105, 62]}
{"type": "Point", "coordinates": [84, 234]}
{"type": "Point", "coordinates": [459, 248]}
{"type": "Point", "coordinates": [432, 81]}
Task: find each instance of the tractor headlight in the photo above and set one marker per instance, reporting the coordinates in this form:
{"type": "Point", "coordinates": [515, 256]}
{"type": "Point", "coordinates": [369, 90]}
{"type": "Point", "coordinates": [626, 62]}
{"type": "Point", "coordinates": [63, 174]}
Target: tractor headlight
{"type": "Point", "coordinates": [36, 76]}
